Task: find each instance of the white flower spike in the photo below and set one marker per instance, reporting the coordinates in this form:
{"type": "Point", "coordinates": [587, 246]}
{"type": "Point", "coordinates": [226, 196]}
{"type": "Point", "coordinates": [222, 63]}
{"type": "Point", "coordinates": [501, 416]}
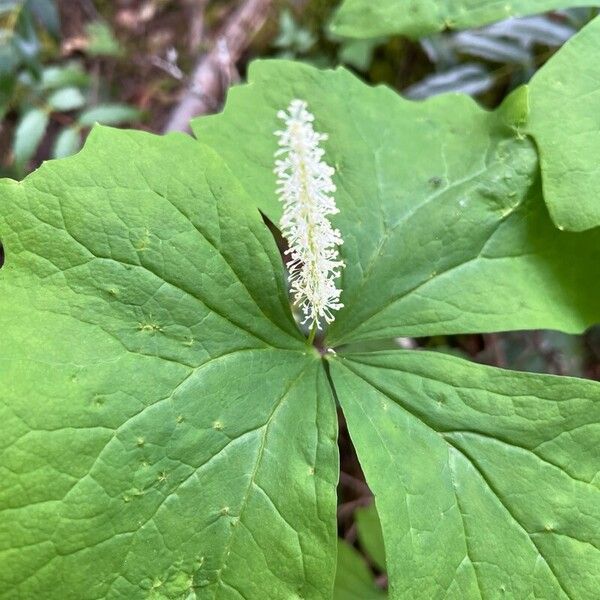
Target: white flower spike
{"type": "Point", "coordinates": [305, 188]}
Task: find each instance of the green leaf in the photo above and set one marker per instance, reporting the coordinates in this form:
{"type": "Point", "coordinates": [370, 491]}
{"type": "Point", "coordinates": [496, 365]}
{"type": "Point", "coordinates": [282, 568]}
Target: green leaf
{"type": "Point", "coordinates": [353, 579]}
{"type": "Point", "coordinates": [291, 36]}
{"type": "Point", "coordinates": [564, 100]}
{"type": "Point", "coordinates": [166, 433]}
{"type": "Point", "coordinates": [9, 60]}
{"type": "Point", "coordinates": [65, 99]}
{"type": "Point", "coordinates": [358, 53]}
{"type": "Point", "coordinates": [109, 114]}
{"type": "Point", "coordinates": [46, 13]}
{"type": "Point", "coordinates": [29, 134]}
{"type": "Point", "coordinates": [7, 87]}
{"type": "Point", "coordinates": [101, 40]}
{"type": "Point", "coordinates": [71, 75]}
{"type": "Point", "coordinates": [444, 226]}
{"type": "Point", "coordinates": [7, 6]}
{"type": "Point", "coordinates": [369, 534]}
{"type": "Point", "coordinates": [26, 39]}
{"type": "Point", "coordinates": [417, 18]}
{"type": "Point", "coordinates": [486, 481]}
{"type": "Point", "coordinates": [67, 142]}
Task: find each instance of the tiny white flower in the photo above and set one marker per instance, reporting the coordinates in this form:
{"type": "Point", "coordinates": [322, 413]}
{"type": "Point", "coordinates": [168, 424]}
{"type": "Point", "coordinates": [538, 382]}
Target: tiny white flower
{"type": "Point", "coordinates": [305, 187]}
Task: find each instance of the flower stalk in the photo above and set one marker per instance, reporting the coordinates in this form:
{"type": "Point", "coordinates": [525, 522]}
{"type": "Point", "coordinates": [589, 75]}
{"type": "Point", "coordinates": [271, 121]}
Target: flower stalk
{"type": "Point", "coordinates": [305, 188]}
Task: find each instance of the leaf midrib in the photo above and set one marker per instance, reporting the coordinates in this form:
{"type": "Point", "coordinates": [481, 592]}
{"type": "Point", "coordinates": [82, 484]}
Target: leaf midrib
{"type": "Point", "coordinates": [253, 475]}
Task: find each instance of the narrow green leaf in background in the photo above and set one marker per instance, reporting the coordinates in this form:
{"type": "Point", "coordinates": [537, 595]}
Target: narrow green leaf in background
{"type": "Point", "coordinates": [101, 40]}
{"type": "Point", "coordinates": [68, 141]}
{"type": "Point", "coordinates": [486, 481]}
{"type": "Point", "coordinates": [29, 134]}
{"type": "Point", "coordinates": [46, 12]}
{"type": "Point", "coordinates": [65, 99]}
{"type": "Point", "coordinates": [9, 5]}
{"type": "Point", "coordinates": [109, 114]}
{"type": "Point", "coordinates": [9, 57]}
{"type": "Point", "coordinates": [369, 533]}
{"type": "Point", "coordinates": [353, 579]}
{"type": "Point", "coordinates": [54, 77]}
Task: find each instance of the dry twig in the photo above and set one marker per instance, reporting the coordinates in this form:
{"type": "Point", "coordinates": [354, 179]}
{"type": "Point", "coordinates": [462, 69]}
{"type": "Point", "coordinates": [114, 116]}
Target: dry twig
{"type": "Point", "coordinates": [213, 72]}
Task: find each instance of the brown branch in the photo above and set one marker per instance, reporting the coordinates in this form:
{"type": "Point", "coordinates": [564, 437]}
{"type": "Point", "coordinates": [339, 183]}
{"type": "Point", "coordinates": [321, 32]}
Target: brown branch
{"type": "Point", "coordinates": [197, 9]}
{"type": "Point", "coordinates": [213, 72]}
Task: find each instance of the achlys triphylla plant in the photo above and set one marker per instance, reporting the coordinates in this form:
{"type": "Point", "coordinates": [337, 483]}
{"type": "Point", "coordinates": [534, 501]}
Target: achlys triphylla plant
{"type": "Point", "coordinates": [168, 432]}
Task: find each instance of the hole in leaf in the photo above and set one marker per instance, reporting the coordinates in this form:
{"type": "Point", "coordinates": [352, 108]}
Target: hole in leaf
{"type": "Point", "coordinates": [1, 255]}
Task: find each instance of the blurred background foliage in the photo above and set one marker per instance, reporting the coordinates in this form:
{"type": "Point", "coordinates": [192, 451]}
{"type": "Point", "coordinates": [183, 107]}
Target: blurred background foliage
{"type": "Point", "coordinates": [67, 64]}
{"type": "Point", "coordinates": [52, 88]}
